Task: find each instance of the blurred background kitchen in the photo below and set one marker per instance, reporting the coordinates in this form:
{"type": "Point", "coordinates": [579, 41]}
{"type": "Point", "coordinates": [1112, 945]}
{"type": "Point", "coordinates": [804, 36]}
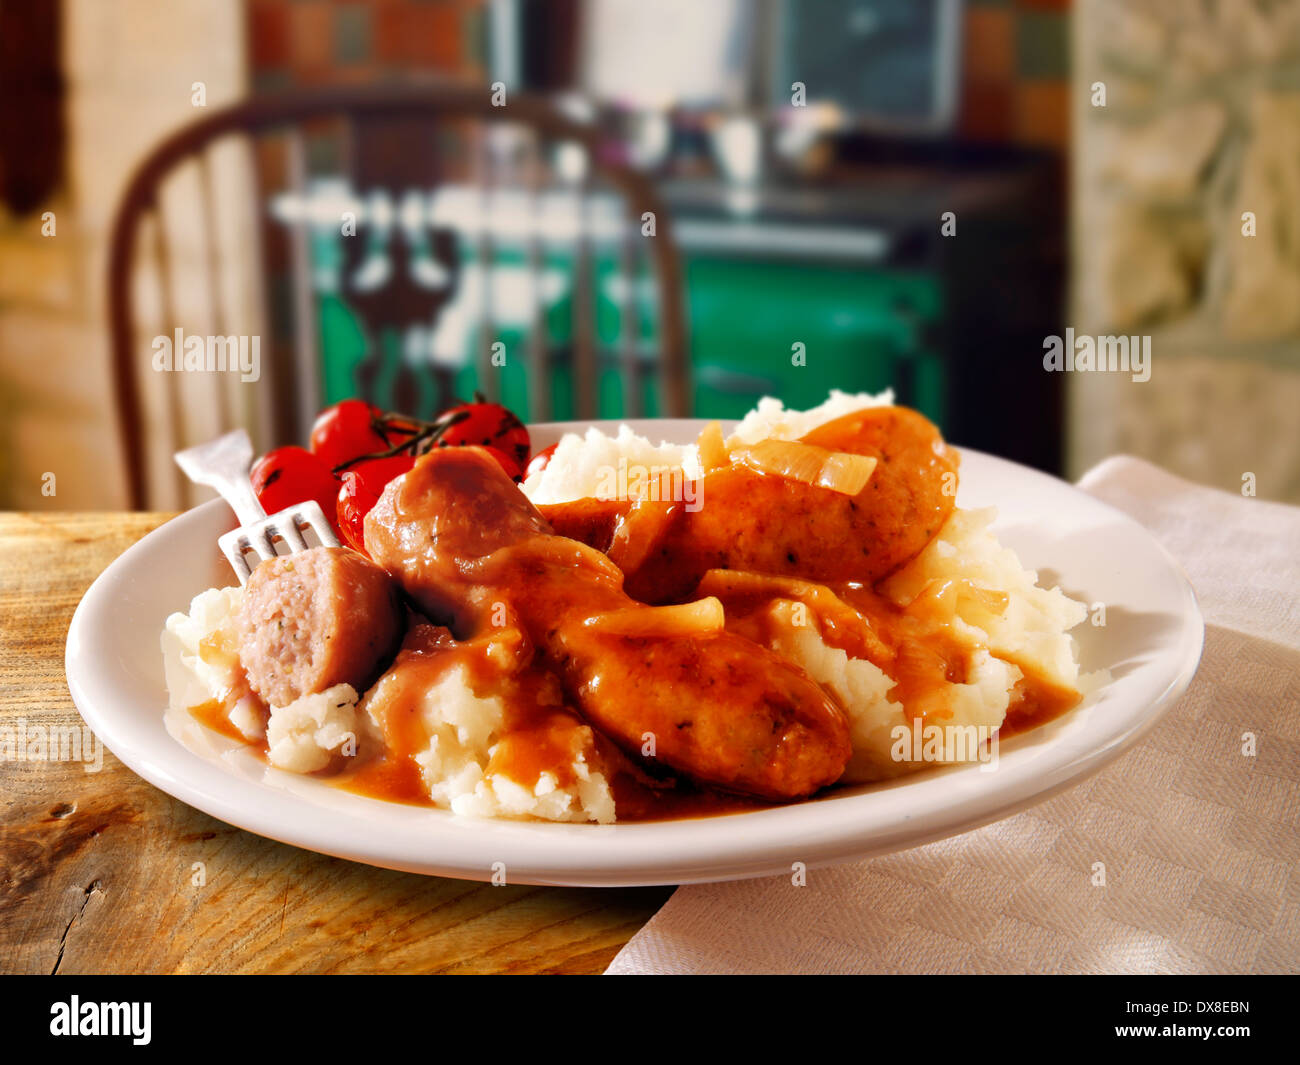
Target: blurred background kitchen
{"type": "Point", "coordinates": [679, 207]}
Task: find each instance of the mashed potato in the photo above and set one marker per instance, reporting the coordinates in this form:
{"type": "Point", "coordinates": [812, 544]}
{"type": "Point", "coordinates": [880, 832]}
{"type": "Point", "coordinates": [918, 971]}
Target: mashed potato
{"type": "Point", "coordinates": [194, 678]}
{"type": "Point", "coordinates": [581, 466]}
{"type": "Point", "coordinates": [1034, 626]}
{"type": "Point", "coordinates": [863, 689]}
{"type": "Point", "coordinates": [317, 732]}
{"type": "Point", "coordinates": [1031, 630]}
{"type": "Point", "coordinates": [770, 420]}
{"type": "Point", "coordinates": [314, 732]}
{"type": "Point", "coordinates": [465, 730]}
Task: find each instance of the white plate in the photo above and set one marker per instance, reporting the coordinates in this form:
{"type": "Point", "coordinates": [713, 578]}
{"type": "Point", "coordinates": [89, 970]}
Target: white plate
{"type": "Point", "coordinates": [1151, 643]}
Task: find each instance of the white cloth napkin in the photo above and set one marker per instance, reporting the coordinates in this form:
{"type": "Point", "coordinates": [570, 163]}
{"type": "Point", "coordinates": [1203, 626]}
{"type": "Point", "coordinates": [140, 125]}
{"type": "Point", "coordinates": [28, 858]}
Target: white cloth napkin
{"type": "Point", "coordinates": [1202, 844]}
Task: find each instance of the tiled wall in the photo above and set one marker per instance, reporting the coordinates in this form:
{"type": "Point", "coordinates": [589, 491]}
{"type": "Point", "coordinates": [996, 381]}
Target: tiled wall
{"type": "Point", "coordinates": [1015, 77]}
{"type": "Point", "coordinates": [316, 42]}
{"type": "Point", "coordinates": [1015, 56]}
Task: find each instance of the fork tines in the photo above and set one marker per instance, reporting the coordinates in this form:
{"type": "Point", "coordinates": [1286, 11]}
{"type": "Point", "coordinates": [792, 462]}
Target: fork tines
{"type": "Point", "coordinates": [261, 537]}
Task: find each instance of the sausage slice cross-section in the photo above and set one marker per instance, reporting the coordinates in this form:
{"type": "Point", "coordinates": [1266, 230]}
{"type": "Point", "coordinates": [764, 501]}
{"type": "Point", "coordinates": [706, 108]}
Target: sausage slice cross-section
{"type": "Point", "coordinates": [311, 620]}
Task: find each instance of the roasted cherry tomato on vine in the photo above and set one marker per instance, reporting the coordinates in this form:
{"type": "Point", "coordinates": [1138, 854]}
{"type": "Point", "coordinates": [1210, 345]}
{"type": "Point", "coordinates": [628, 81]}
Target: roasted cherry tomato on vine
{"type": "Point", "coordinates": [290, 475]}
{"type": "Point", "coordinates": [540, 461]}
{"type": "Point", "coordinates": [353, 428]}
{"type": "Point", "coordinates": [507, 463]}
{"type": "Point", "coordinates": [488, 425]}
{"type": "Point", "coordinates": [362, 487]}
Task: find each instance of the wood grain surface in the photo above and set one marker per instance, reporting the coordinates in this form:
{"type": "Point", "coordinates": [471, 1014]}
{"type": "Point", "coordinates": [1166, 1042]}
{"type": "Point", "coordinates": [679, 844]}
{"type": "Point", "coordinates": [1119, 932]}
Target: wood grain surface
{"type": "Point", "coordinates": [97, 869]}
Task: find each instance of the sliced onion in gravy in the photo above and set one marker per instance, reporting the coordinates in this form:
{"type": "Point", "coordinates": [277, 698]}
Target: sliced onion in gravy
{"type": "Point", "coordinates": [839, 471]}
{"type": "Point", "coordinates": [686, 619]}
{"type": "Point", "coordinates": [712, 448]}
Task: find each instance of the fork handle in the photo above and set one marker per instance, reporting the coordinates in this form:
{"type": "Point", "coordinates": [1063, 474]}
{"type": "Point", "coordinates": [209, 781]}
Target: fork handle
{"type": "Point", "coordinates": [224, 466]}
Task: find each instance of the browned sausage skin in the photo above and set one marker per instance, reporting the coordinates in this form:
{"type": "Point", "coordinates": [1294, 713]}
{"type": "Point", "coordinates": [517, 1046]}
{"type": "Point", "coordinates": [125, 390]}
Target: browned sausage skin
{"type": "Point", "coordinates": [767, 524]}
{"type": "Point", "coordinates": [311, 620]}
{"type": "Point", "coordinates": [473, 552]}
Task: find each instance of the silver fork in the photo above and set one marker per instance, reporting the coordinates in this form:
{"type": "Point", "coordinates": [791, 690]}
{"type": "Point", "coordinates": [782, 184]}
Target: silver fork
{"type": "Point", "coordinates": [223, 464]}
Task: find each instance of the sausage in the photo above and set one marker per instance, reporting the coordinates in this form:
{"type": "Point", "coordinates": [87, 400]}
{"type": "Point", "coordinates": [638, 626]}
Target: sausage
{"type": "Point", "coordinates": [311, 620]}
{"type": "Point", "coordinates": [593, 521]}
{"type": "Point", "coordinates": [762, 523]}
{"type": "Point", "coordinates": [472, 551]}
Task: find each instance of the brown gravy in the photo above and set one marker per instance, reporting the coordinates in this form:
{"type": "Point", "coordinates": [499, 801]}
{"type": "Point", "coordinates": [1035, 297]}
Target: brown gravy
{"type": "Point", "coordinates": [214, 714]}
{"type": "Point", "coordinates": [917, 645]}
{"type": "Point", "coordinates": [393, 779]}
{"type": "Point", "coordinates": [218, 649]}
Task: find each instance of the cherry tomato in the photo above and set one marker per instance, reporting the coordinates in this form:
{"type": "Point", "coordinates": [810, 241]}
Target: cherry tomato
{"type": "Point", "coordinates": [290, 475]}
{"type": "Point", "coordinates": [507, 463]}
{"type": "Point", "coordinates": [354, 428]}
{"type": "Point", "coordinates": [361, 489]}
{"type": "Point", "coordinates": [540, 461]}
{"type": "Point", "coordinates": [489, 425]}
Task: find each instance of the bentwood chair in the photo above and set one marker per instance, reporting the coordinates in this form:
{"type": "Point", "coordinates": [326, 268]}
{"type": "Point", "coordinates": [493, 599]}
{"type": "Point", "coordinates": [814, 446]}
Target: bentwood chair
{"type": "Point", "coordinates": [426, 210]}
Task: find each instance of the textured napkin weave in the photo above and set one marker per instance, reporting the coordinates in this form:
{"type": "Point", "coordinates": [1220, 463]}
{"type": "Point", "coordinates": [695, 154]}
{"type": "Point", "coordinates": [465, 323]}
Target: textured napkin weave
{"type": "Point", "coordinates": [1201, 844]}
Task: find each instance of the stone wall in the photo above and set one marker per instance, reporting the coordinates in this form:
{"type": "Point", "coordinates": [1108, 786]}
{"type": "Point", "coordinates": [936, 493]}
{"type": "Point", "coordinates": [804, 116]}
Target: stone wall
{"type": "Point", "coordinates": [1187, 229]}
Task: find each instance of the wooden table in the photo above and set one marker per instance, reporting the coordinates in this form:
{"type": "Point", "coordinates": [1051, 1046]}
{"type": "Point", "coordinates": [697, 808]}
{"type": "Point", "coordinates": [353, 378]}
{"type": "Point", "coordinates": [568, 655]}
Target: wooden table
{"type": "Point", "coordinates": [96, 868]}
